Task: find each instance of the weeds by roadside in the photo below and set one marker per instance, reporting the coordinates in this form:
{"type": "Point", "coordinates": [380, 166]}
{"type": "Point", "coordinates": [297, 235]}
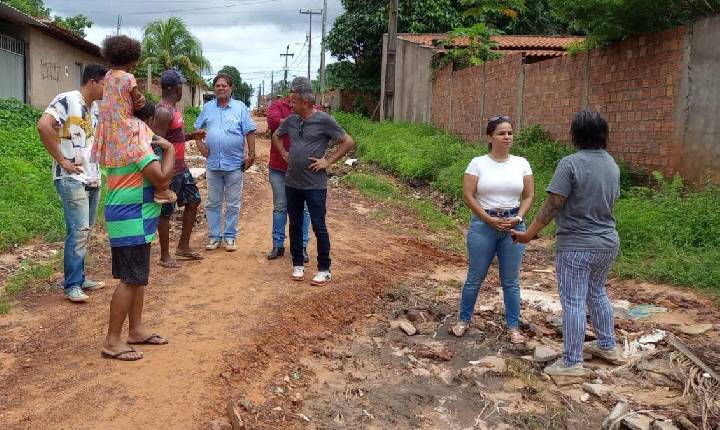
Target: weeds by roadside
{"type": "Point", "coordinates": [29, 205]}
{"type": "Point", "coordinates": [383, 189]}
{"type": "Point", "coordinates": [668, 232]}
{"type": "Point", "coordinates": [31, 273]}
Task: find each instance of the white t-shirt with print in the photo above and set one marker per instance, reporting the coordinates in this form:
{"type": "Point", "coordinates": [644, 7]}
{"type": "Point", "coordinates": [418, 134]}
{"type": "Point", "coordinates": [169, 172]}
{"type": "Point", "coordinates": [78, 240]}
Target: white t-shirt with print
{"type": "Point", "coordinates": [76, 124]}
{"type": "Point", "coordinates": [499, 185]}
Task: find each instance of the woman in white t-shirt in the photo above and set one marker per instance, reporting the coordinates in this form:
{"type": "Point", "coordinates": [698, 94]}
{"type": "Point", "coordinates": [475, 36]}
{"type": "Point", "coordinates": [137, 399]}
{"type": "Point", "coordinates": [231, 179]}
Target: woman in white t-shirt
{"type": "Point", "coordinates": [498, 188]}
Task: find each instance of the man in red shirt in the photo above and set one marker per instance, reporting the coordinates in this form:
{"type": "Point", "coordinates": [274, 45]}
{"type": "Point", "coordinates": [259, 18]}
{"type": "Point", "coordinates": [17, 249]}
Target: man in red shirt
{"type": "Point", "coordinates": [278, 111]}
{"type": "Point", "coordinates": [169, 124]}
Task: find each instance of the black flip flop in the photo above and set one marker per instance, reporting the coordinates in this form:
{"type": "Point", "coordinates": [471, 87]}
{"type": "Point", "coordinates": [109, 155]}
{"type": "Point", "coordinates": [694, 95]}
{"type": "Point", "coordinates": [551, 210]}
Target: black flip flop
{"type": "Point", "coordinates": [147, 341]}
{"type": "Point", "coordinates": [118, 355]}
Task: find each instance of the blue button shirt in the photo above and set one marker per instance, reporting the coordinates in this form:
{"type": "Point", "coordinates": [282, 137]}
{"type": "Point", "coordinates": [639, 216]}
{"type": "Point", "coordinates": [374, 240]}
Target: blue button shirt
{"type": "Point", "coordinates": [226, 130]}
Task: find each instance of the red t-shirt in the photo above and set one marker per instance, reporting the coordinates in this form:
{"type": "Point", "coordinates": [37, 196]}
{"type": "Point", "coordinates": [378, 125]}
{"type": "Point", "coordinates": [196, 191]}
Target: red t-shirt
{"type": "Point", "coordinates": [176, 135]}
{"type": "Point", "coordinates": [280, 109]}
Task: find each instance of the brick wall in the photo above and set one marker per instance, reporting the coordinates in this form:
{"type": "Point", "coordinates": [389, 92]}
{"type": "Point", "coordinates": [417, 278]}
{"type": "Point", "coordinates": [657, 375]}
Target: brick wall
{"type": "Point", "coordinates": [441, 98]}
{"type": "Point", "coordinates": [633, 83]}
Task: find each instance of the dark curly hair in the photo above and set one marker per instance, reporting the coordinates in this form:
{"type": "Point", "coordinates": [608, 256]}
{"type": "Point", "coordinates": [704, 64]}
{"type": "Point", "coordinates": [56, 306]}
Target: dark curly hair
{"type": "Point", "coordinates": [121, 50]}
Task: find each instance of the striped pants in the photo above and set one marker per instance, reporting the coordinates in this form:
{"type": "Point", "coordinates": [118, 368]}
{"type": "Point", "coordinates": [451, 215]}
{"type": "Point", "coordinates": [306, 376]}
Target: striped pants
{"type": "Point", "coordinates": [581, 279]}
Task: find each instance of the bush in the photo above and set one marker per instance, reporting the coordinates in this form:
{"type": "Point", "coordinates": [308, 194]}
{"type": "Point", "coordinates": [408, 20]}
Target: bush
{"type": "Point", "coordinates": [25, 180]}
{"type": "Point", "coordinates": [189, 116]}
{"type": "Point", "coordinates": [667, 232]}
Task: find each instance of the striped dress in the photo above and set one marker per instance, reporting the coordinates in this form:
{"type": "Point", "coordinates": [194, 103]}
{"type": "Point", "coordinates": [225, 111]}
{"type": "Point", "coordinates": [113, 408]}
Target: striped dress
{"type": "Point", "coordinates": [131, 215]}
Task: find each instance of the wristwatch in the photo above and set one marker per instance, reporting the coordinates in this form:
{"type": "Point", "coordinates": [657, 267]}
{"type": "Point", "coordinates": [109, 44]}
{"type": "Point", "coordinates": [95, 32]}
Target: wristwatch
{"type": "Point", "coordinates": [520, 218]}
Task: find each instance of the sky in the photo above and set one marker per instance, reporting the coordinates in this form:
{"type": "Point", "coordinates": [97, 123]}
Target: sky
{"type": "Point", "coordinates": [247, 34]}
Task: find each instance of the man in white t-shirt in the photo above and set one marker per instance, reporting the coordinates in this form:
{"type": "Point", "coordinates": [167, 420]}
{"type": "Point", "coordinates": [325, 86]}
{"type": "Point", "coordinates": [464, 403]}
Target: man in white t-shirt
{"type": "Point", "coordinates": [67, 129]}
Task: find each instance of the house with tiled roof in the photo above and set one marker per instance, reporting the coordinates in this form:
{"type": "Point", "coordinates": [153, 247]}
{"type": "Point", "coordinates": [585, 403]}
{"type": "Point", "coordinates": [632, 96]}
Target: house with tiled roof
{"type": "Point", "coordinates": [39, 59]}
{"type": "Point", "coordinates": [415, 55]}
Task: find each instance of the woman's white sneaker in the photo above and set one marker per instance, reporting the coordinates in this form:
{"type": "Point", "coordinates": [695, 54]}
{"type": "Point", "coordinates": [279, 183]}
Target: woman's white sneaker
{"type": "Point", "coordinates": [298, 273]}
{"type": "Point", "coordinates": [321, 278]}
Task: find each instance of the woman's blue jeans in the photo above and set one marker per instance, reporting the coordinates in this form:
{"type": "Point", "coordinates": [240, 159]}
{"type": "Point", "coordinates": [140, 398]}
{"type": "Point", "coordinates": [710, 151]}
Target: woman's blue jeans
{"type": "Point", "coordinates": [483, 243]}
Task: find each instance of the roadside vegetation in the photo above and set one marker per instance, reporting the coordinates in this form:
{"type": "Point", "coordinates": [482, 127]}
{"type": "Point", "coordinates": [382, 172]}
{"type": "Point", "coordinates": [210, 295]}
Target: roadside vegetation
{"type": "Point", "coordinates": [669, 232]}
{"type": "Point", "coordinates": [31, 274]}
{"type": "Point", "coordinates": [29, 205]}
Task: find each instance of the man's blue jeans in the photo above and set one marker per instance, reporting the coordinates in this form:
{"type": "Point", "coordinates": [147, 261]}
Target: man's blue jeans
{"type": "Point", "coordinates": [223, 186]}
{"type": "Point", "coordinates": [483, 243]}
{"type": "Point", "coordinates": [315, 201]}
{"type": "Point", "coordinates": [277, 183]}
{"type": "Point", "coordinates": [80, 211]}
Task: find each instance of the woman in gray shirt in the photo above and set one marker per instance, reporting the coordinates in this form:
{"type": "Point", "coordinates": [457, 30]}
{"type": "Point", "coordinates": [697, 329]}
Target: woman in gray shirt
{"type": "Point", "coordinates": [581, 197]}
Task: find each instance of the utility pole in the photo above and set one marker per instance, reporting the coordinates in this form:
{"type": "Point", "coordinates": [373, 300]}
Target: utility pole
{"type": "Point", "coordinates": [322, 54]}
{"type": "Point", "coordinates": [119, 21]}
{"type": "Point", "coordinates": [310, 13]}
{"type": "Point", "coordinates": [286, 55]}
{"type": "Point", "coordinates": [272, 84]}
{"type": "Point", "coordinates": [390, 60]}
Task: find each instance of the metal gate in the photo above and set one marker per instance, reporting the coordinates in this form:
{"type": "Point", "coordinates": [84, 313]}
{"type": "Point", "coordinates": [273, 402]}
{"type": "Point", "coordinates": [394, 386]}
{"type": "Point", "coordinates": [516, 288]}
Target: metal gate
{"type": "Point", "coordinates": [12, 68]}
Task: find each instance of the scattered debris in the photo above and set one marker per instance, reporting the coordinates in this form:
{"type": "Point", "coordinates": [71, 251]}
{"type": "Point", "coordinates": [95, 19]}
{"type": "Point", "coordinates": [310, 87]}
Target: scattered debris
{"type": "Point", "coordinates": [620, 410]}
{"type": "Point", "coordinates": [490, 363]}
{"type": "Point", "coordinates": [351, 161]}
{"type": "Point", "coordinates": [695, 329]}
{"type": "Point", "coordinates": [663, 425]}
{"type": "Point", "coordinates": [407, 328]}
{"type": "Point", "coordinates": [599, 390]}
{"type": "Point", "coordinates": [235, 417]}
{"type": "Point", "coordinates": [637, 422]}
{"type": "Point", "coordinates": [544, 354]}
{"type": "Point", "coordinates": [645, 311]}
{"type": "Point", "coordinates": [305, 417]}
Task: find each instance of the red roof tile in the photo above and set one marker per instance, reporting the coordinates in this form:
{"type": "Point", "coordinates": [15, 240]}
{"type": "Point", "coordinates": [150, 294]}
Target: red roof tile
{"type": "Point", "coordinates": [536, 43]}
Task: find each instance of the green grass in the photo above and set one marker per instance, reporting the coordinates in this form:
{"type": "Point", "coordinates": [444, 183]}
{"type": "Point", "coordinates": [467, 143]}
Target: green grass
{"type": "Point", "coordinates": [189, 116]}
{"type": "Point", "coordinates": [380, 188]}
{"type": "Point", "coordinates": [668, 232]}
{"type": "Point", "coordinates": [30, 274]}
{"type": "Point", "coordinates": [29, 205]}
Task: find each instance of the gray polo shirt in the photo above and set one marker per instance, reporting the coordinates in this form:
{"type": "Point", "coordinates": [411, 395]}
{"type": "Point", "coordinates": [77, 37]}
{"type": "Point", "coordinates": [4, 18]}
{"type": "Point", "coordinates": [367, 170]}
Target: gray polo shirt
{"type": "Point", "coordinates": [308, 138]}
{"type": "Point", "coordinates": [590, 182]}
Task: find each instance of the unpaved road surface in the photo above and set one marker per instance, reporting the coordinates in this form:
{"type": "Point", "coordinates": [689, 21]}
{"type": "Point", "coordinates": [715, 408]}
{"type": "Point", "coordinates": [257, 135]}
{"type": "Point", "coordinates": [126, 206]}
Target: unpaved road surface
{"type": "Point", "coordinates": [288, 355]}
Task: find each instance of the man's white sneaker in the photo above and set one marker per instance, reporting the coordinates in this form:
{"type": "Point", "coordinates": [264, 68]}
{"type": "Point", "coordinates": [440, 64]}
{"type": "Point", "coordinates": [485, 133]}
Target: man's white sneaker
{"type": "Point", "coordinates": [321, 278]}
{"type": "Point", "coordinates": [230, 245]}
{"type": "Point", "coordinates": [212, 245]}
{"type": "Point", "coordinates": [298, 273]}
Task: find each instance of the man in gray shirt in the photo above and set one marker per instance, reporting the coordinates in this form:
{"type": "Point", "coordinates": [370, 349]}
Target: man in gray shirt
{"type": "Point", "coordinates": [581, 197]}
{"type": "Point", "coordinates": [310, 133]}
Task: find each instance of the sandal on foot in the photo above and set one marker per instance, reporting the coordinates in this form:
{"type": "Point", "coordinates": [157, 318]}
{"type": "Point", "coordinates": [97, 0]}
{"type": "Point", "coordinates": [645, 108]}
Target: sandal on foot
{"type": "Point", "coordinates": [516, 337]}
{"type": "Point", "coordinates": [122, 355]}
{"type": "Point", "coordinates": [190, 255]}
{"type": "Point", "coordinates": [169, 264]}
{"type": "Point", "coordinates": [149, 340]}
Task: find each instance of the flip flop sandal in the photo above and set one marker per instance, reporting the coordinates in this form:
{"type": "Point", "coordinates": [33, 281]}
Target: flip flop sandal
{"type": "Point", "coordinates": [192, 255]}
{"type": "Point", "coordinates": [149, 339]}
{"type": "Point", "coordinates": [168, 265]}
{"type": "Point", "coordinates": [119, 355]}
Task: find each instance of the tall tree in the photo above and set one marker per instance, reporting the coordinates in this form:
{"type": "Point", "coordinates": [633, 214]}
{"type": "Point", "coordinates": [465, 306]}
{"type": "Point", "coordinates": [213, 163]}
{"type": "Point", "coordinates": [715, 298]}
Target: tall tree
{"type": "Point", "coordinates": [356, 36]}
{"type": "Point", "coordinates": [170, 45]}
{"type": "Point", "coordinates": [613, 20]}
{"type": "Point", "coordinates": [36, 8]}
{"type": "Point", "coordinates": [241, 90]}
{"type": "Point", "coordinates": [77, 24]}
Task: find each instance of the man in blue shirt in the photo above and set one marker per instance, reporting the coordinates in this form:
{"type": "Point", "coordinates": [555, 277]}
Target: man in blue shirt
{"type": "Point", "coordinates": [228, 126]}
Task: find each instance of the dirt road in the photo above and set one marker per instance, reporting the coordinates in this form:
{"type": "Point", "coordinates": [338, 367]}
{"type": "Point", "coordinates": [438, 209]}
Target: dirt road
{"type": "Point", "coordinates": [214, 312]}
{"type": "Point", "coordinates": [288, 355]}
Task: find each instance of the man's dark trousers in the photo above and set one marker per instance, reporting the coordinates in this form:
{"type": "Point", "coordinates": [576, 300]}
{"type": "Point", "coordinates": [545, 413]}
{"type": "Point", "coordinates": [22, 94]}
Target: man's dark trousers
{"type": "Point", "coordinates": [315, 199]}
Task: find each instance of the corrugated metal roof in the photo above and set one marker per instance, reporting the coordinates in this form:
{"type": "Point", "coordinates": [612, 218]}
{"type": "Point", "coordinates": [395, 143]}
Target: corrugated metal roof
{"type": "Point", "coordinates": [504, 42]}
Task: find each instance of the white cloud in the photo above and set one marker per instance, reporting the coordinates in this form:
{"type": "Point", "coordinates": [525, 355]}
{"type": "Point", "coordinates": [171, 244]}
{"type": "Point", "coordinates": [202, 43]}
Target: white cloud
{"type": "Point", "coordinates": [250, 35]}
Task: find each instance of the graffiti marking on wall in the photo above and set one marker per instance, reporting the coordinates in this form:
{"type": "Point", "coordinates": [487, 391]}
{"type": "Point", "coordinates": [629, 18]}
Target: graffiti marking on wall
{"type": "Point", "coordinates": [49, 70]}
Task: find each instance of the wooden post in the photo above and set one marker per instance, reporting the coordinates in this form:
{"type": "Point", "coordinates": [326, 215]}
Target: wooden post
{"type": "Point", "coordinates": [149, 78]}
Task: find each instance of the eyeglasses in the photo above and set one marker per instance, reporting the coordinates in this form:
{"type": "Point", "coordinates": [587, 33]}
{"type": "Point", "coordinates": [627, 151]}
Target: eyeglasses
{"type": "Point", "coordinates": [500, 118]}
